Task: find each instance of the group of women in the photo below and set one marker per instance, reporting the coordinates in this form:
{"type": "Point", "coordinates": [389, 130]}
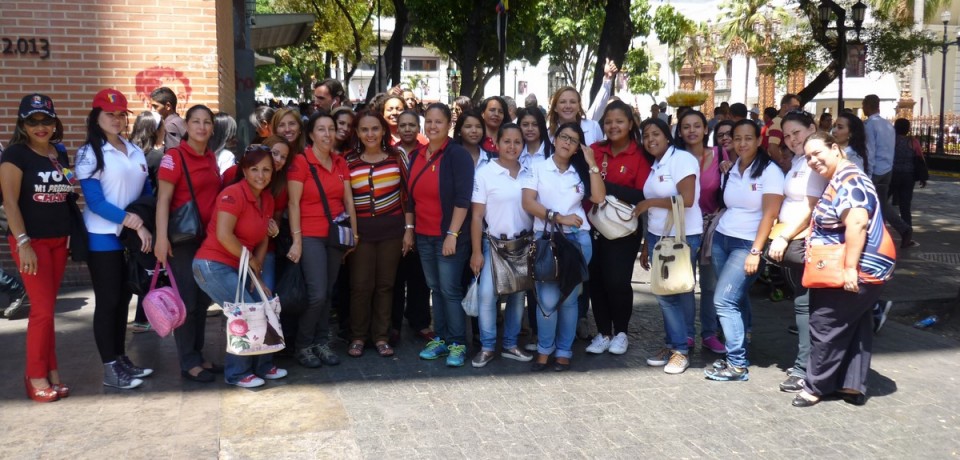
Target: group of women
{"type": "Point", "coordinates": [426, 212]}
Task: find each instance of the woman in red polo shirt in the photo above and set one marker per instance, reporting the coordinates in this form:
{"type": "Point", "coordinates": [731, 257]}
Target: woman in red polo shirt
{"type": "Point", "coordinates": [309, 226]}
{"type": "Point", "coordinates": [624, 167]}
{"type": "Point", "coordinates": [195, 158]}
{"type": "Point", "coordinates": [241, 218]}
{"type": "Point", "coordinates": [493, 110]}
{"type": "Point", "coordinates": [408, 127]}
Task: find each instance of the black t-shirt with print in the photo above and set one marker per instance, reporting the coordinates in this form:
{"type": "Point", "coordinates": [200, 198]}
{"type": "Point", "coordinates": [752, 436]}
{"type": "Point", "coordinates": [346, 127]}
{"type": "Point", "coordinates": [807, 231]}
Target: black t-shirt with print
{"type": "Point", "coordinates": [43, 192]}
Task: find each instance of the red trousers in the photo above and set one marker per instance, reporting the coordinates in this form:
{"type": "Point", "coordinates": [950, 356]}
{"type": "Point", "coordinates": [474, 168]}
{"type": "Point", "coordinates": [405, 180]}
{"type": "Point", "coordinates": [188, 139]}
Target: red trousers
{"type": "Point", "coordinates": [42, 289]}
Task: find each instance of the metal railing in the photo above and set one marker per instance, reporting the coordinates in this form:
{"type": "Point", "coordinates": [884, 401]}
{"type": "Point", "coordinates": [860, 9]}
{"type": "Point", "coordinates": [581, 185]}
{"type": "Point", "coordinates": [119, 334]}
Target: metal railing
{"type": "Point", "coordinates": [721, 84]}
{"type": "Point", "coordinates": [927, 130]}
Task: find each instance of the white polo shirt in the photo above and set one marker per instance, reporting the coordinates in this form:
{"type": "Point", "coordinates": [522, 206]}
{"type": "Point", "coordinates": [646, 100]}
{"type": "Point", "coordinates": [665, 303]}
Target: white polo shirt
{"type": "Point", "coordinates": [121, 179]}
{"type": "Point", "coordinates": [528, 160]}
{"type": "Point", "coordinates": [503, 195]}
{"type": "Point", "coordinates": [558, 191]}
{"type": "Point", "coordinates": [592, 132]}
{"type": "Point", "coordinates": [799, 183]}
{"type": "Point", "coordinates": [672, 167]}
{"type": "Point", "coordinates": [743, 196]}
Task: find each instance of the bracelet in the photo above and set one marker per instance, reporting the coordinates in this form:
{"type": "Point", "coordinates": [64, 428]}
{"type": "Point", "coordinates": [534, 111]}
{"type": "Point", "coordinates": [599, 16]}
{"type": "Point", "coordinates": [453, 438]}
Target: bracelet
{"type": "Point", "coordinates": [454, 234]}
{"type": "Point", "coordinates": [409, 226]}
{"type": "Point", "coordinates": [298, 231]}
{"type": "Point", "coordinates": [21, 236]}
{"type": "Point", "coordinates": [23, 242]}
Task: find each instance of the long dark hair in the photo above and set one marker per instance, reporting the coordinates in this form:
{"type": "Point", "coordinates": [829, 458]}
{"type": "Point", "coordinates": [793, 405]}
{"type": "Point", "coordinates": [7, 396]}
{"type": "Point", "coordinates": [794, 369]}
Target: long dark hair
{"type": "Point", "coordinates": [659, 124]}
{"type": "Point", "coordinates": [858, 135]}
{"type": "Point", "coordinates": [634, 133]}
{"type": "Point", "coordinates": [716, 128]}
{"type": "Point", "coordinates": [384, 138]}
{"type": "Point", "coordinates": [503, 107]}
{"type": "Point", "coordinates": [578, 161]}
{"type": "Point", "coordinates": [224, 129]}
{"type": "Point", "coordinates": [541, 127]}
{"type": "Point", "coordinates": [762, 159]}
{"type": "Point", "coordinates": [95, 138]}
{"type": "Point", "coordinates": [678, 141]}
{"type": "Point", "coordinates": [192, 111]}
{"type": "Point", "coordinates": [144, 132]}
{"type": "Point", "coordinates": [457, 137]}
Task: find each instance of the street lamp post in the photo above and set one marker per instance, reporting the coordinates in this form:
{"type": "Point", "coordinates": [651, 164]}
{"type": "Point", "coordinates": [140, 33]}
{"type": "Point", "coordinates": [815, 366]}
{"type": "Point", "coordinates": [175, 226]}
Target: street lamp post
{"type": "Point", "coordinates": [859, 11]}
{"type": "Point", "coordinates": [945, 17]}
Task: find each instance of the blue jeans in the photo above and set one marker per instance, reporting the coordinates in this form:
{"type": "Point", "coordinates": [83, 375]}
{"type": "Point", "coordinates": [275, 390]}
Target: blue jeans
{"type": "Point", "coordinates": [708, 313]}
{"type": "Point", "coordinates": [444, 278]}
{"type": "Point", "coordinates": [269, 275]}
{"type": "Point", "coordinates": [732, 297]}
{"type": "Point", "coordinates": [219, 281]}
{"type": "Point", "coordinates": [677, 308]}
{"type": "Point", "coordinates": [557, 324]}
{"type": "Point", "coordinates": [512, 316]}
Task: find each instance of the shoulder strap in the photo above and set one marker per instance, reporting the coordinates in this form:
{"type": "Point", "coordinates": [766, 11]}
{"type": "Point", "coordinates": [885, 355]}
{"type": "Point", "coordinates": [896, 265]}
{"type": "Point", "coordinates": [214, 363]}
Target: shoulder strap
{"type": "Point", "coordinates": [186, 172]}
{"type": "Point", "coordinates": [323, 194]}
{"type": "Point", "coordinates": [413, 183]}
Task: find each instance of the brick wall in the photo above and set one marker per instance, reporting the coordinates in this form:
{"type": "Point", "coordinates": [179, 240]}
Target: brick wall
{"type": "Point", "coordinates": [131, 45]}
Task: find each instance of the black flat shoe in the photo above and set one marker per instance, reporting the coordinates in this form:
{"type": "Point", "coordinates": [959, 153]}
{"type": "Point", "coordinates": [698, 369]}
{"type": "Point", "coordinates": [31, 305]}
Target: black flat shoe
{"type": "Point", "coordinates": [560, 367]}
{"type": "Point", "coordinates": [858, 399]}
{"type": "Point", "coordinates": [214, 368]}
{"type": "Point", "coordinates": [800, 401]}
{"type": "Point", "coordinates": [204, 376]}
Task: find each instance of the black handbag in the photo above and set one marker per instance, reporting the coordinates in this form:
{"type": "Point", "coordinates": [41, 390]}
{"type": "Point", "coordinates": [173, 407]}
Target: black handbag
{"type": "Point", "coordinates": [339, 232]}
{"type": "Point", "coordinates": [185, 225]}
{"type": "Point", "coordinates": [292, 289]}
{"type": "Point", "coordinates": [542, 257]}
{"type": "Point", "coordinates": [79, 243]}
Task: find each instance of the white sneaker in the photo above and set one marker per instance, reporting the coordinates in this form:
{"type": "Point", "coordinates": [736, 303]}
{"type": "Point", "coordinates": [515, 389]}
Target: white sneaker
{"type": "Point", "coordinates": [677, 364]}
{"type": "Point", "coordinates": [250, 381]}
{"type": "Point", "coordinates": [531, 346]}
{"type": "Point", "coordinates": [619, 343]}
{"type": "Point", "coordinates": [599, 344]}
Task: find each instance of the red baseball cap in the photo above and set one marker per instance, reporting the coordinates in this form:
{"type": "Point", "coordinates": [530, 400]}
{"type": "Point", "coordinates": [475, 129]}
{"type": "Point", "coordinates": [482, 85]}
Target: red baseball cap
{"type": "Point", "coordinates": [110, 100]}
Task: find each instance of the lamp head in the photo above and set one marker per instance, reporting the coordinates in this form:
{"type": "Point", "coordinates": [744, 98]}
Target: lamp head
{"type": "Point", "coordinates": [945, 17]}
{"type": "Point", "coordinates": [824, 11]}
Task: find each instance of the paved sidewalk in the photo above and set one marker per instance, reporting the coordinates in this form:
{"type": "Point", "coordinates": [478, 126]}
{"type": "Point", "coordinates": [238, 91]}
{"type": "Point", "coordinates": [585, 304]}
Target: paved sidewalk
{"type": "Point", "coordinates": [607, 406]}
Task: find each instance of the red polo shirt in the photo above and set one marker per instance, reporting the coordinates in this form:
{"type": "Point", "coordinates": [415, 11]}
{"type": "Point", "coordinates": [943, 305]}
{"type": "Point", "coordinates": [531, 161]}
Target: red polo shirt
{"type": "Point", "coordinates": [204, 175]}
{"type": "Point", "coordinates": [251, 227]}
{"type": "Point", "coordinates": [313, 219]}
{"type": "Point", "coordinates": [426, 192]}
{"type": "Point", "coordinates": [489, 145]}
{"type": "Point", "coordinates": [629, 169]}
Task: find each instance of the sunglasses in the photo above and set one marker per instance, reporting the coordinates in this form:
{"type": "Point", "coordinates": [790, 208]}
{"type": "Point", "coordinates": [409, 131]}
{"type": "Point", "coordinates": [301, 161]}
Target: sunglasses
{"type": "Point", "coordinates": [256, 148]}
{"type": "Point", "coordinates": [45, 121]}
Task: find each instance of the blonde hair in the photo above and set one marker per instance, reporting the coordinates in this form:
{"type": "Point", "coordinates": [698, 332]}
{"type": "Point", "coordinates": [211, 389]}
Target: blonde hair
{"type": "Point", "coordinates": [553, 119]}
{"type": "Point", "coordinates": [299, 144]}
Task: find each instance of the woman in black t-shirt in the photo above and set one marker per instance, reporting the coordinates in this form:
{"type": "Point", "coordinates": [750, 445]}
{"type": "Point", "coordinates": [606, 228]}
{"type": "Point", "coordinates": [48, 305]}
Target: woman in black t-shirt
{"type": "Point", "coordinates": [35, 181]}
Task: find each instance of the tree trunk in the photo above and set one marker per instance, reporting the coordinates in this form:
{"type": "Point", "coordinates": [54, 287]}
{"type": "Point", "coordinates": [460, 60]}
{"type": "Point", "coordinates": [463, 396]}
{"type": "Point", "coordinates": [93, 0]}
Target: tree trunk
{"type": "Point", "coordinates": [746, 79]}
{"type": "Point", "coordinates": [393, 54]}
{"type": "Point", "coordinates": [818, 84]}
{"type": "Point", "coordinates": [614, 39]}
{"type": "Point", "coordinates": [470, 51]}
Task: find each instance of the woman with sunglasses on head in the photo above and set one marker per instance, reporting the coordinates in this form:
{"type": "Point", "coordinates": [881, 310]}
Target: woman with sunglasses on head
{"type": "Point", "coordinates": [192, 157]}
{"type": "Point", "coordinates": [240, 222]}
{"type": "Point", "coordinates": [802, 188]}
{"type": "Point", "coordinates": [752, 192]}
{"type": "Point", "coordinates": [35, 184]}
{"type": "Point", "coordinates": [113, 174]}
{"type": "Point", "coordinates": [624, 168]}
{"type": "Point", "coordinates": [440, 187]}
{"type": "Point", "coordinates": [675, 172]}
{"type": "Point", "coordinates": [318, 182]}
{"type": "Point", "coordinates": [553, 194]}
{"type": "Point", "coordinates": [470, 133]}
{"type": "Point", "coordinates": [493, 111]}
{"type": "Point", "coordinates": [377, 176]}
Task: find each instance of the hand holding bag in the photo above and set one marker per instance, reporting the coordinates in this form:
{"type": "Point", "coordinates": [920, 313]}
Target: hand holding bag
{"type": "Point", "coordinates": [253, 328]}
{"type": "Point", "coordinates": [185, 225]}
{"type": "Point", "coordinates": [339, 232]}
{"type": "Point", "coordinates": [471, 301]}
{"type": "Point", "coordinates": [163, 306]}
{"type": "Point", "coordinates": [542, 258]}
{"type": "Point", "coordinates": [672, 271]}
{"type": "Point", "coordinates": [612, 218]}
{"type": "Point", "coordinates": [508, 264]}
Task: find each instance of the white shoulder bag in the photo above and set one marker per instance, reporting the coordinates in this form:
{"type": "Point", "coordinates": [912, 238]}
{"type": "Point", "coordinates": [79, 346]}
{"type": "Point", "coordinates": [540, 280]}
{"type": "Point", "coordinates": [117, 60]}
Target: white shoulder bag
{"type": "Point", "coordinates": [671, 271]}
{"type": "Point", "coordinates": [253, 328]}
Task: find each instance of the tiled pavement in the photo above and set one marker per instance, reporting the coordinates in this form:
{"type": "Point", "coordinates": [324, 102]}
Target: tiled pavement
{"type": "Point", "coordinates": [606, 406]}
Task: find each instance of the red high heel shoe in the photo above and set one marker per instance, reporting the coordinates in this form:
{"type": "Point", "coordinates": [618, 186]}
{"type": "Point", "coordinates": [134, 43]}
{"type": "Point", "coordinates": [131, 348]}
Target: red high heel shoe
{"type": "Point", "coordinates": [61, 388]}
{"type": "Point", "coordinates": [48, 394]}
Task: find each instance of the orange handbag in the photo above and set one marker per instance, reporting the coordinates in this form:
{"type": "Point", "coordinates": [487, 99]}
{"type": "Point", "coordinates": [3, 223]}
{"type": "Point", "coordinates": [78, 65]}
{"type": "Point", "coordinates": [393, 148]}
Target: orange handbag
{"type": "Point", "coordinates": [823, 266]}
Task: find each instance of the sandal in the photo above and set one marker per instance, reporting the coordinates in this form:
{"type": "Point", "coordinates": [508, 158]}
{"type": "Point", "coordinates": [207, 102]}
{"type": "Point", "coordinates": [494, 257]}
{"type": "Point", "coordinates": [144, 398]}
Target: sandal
{"type": "Point", "coordinates": [355, 349]}
{"type": "Point", "coordinates": [384, 349]}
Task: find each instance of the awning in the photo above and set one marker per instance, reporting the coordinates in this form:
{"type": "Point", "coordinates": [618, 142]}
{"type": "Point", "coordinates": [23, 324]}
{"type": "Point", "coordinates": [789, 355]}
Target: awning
{"type": "Point", "coordinates": [271, 31]}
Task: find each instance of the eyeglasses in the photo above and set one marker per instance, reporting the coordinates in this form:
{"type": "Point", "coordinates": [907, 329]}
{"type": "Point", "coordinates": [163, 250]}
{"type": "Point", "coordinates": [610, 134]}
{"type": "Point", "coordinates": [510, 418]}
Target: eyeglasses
{"type": "Point", "coordinates": [45, 121]}
{"type": "Point", "coordinates": [723, 134]}
{"type": "Point", "coordinates": [567, 138]}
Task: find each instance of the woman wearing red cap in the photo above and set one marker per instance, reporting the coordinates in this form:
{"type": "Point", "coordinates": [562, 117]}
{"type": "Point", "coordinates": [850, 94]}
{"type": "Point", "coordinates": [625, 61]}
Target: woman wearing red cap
{"type": "Point", "coordinates": [113, 173]}
{"type": "Point", "coordinates": [35, 184]}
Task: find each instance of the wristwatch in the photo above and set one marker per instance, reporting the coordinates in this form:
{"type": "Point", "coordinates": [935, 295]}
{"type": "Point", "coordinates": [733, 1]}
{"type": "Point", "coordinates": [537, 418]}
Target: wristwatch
{"type": "Point", "coordinates": [594, 170]}
{"type": "Point", "coordinates": [754, 252]}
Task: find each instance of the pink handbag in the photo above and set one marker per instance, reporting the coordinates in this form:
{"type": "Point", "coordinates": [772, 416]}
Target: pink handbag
{"type": "Point", "coordinates": [163, 306]}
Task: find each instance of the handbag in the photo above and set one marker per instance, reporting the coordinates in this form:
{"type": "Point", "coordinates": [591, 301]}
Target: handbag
{"type": "Point", "coordinates": [672, 271]}
{"type": "Point", "coordinates": [823, 266]}
{"type": "Point", "coordinates": [613, 218]}
{"type": "Point", "coordinates": [542, 258]}
{"type": "Point", "coordinates": [253, 328]}
{"type": "Point", "coordinates": [508, 264]}
{"type": "Point", "coordinates": [185, 225]}
{"type": "Point", "coordinates": [710, 223]}
{"type": "Point", "coordinates": [471, 301]}
{"type": "Point", "coordinates": [339, 232]}
{"type": "Point", "coordinates": [163, 306]}
{"type": "Point", "coordinates": [79, 243]}
{"type": "Point", "coordinates": [292, 289]}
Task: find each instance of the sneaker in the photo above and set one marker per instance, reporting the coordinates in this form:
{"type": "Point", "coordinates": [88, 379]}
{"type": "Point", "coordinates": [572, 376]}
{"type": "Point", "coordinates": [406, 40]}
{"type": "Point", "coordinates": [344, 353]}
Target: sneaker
{"type": "Point", "coordinates": [531, 346]}
{"type": "Point", "coordinates": [132, 369]}
{"type": "Point", "coordinates": [583, 329]}
{"type": "Point", "coordinates": [660, 358]}
{"type": "Point", "coordinates": [480, 360]}
{"type": "Point", "coordinates": [880, 315]}
{"type": "Point", "coordinates": [19, 308]}
{"type": "Point", "coordinates": [713, 344]}
{"type": "Point", "coordinates": [793, 384]}
{"type": "Point", "coordinates": [306, 358]}
{"type": "Point", "coordinates": [515, 354]}
{"type": "Point", "coordinates": [250, 381]}
{"type": "Point", "coordinates": [114, 375]}
{"type": "Point", "coordinates": [139, 328]}
{"type": "Point", "coordinates": [326, 355]}
{"type": "Point", "coordinates": [434, 349]}
{"type": "Point", "coordinates": [619, 344]}
{"type": "Point", "coordinates": [456, 356]}
{"type": "Point", "coordinates": [726, 373]}
{"type": "Point", "coordinates": [275, 373]}
{"type": "Point", "coordinates": [677, 364]}
{"type": "Point", "coordinates": [690, 343]}
{"type": "Point", "coordinates": [599, 344]}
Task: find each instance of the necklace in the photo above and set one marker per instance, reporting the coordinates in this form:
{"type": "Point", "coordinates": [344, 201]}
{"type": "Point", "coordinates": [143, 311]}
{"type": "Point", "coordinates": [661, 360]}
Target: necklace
{"type": "Point", "coordinates": [366, 158]}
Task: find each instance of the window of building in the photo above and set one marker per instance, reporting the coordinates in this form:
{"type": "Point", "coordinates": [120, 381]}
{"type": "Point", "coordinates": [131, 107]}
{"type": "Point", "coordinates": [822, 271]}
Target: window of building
{"type": "Point", "coordinates": [422, 65]}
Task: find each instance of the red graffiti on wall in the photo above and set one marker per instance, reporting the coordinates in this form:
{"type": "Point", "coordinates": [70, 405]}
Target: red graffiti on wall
{"type": "Point", "coordinates": [152, 78]}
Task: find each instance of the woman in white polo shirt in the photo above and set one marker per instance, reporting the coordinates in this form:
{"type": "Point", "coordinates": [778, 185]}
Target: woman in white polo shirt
{"type": "Point", "coordinates": [497, 195]}
{"type": "Point", "coordinates": [752, 193]}
{"type": "Point", "coordinates": [674, 172]}
{"type": "Point", "coordinates": [554, 193]}
{"type": "Point", "coordinates": [113, 173]}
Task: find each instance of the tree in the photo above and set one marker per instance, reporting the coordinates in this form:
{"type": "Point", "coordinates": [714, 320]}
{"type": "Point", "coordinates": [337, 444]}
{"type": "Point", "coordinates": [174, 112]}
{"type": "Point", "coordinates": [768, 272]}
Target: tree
{"type": "Point", "coordinates": [740, 32]}
{"type": "Point", "coordinates": [642, 77]}
{"type": "Point", "coordinates": [569, 31]}
{"type": "Point", "coordinates": [902, 10]}
{"type": "Point", "coordinates": [623, 20]}
{"type": "Point", "coordinates": [672, 27]}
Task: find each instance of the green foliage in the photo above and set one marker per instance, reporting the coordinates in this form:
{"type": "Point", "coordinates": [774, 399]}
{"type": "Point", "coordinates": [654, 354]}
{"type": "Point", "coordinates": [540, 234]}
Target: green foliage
{"type": "Point", "coordinates": [902, 10]}
{"type": "Point", "coordinates": [570, 32]}
{"type": "Point", "coordinates": [671, 26]}
{"type": "Point", "coordinates": [642, 77]}
{"type": "Point", "coordinates": [892, 46]}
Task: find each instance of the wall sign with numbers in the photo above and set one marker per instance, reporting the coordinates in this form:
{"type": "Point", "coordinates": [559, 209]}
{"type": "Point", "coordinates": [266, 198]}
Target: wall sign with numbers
{"type": "Point", "coordinates": [39, 47]}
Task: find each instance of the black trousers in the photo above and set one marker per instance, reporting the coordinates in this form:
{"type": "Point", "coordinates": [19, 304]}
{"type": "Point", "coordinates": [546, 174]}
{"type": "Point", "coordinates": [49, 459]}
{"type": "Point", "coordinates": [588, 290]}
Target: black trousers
{"type": "Point", "coordinates": [107, 273]}
{"type": "Point", "coordinates": [841, 339]}
{"type": "Point", "coordinates": [190, 335]}
{"type": "Point", "coordinates": [411, 296]}
{"type": "Point", "coordinates": [901, 189]}
{"type": "Point", "coordinates": [611, 270]}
